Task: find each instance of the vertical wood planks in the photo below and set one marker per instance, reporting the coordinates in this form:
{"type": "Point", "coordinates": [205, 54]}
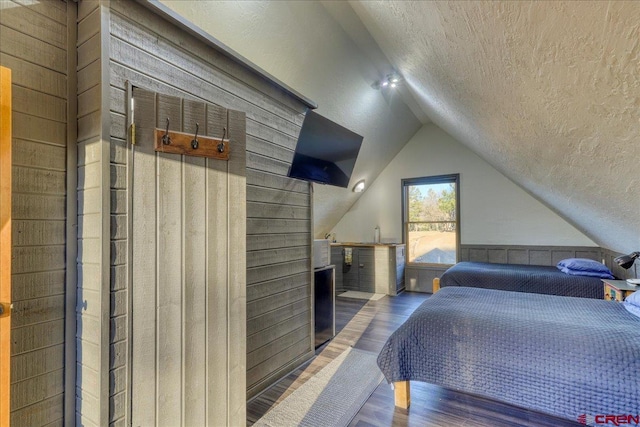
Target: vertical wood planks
{"type": "Point", "coordinates": [194, 278]}
{"type": "Point", "coordinates": [217, 275]}
{"type": "Point", "coordinates": [189, 301]}
{"type": "Point", "coordinates": [169, 289]}
{"type": "Point", "coordinates": [5, 241]}
{"type": "Point", "coordinates": [237, 267]}
{"type": "Point", "coordinates": [143, 383]}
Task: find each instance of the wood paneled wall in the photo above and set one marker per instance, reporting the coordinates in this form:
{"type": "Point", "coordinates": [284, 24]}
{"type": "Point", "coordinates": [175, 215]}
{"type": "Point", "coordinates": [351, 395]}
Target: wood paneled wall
{"type": "Point", "coordinates": [188, 351]}
{"type": "Point", "coordinates": [92, 380]}
{"type": "Point", "coordinates": [34, 45]}
{"type": "Point", "coordinates": [150, 53]}
{"type": "Point", "coordinates": [528, 255]}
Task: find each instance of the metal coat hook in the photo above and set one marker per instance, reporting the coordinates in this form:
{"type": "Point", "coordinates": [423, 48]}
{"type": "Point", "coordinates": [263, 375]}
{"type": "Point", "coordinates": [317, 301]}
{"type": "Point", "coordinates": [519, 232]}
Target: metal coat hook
{"type": "Point", "coordinates": [166, 139]}
{"type": "Point", "coordinates": [194, 141]}
{"type": "Point", "coordinates": [221, 144]}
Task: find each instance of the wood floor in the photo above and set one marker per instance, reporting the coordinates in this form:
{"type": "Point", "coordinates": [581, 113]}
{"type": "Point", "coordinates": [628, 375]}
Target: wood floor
{"type": "Point", "coordinates": [367, 325]}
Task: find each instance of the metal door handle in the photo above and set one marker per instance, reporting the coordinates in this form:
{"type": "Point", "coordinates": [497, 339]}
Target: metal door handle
{"type": "Point", "coordinates": [5, 309]}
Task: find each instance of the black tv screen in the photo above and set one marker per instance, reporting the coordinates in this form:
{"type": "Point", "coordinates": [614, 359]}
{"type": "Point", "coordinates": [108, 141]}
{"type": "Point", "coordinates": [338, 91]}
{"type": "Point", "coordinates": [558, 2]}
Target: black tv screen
{"type": "Point", "coordinates": [326, 152]}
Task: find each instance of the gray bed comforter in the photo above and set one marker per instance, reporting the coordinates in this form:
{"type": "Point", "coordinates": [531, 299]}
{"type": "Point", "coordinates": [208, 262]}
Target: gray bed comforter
{"type": "Point", "coordinates": [537, 279]}
{"type": "Point", "coordinates": [563, 356]}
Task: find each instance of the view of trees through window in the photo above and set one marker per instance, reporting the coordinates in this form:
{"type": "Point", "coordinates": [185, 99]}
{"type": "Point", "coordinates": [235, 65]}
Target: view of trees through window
{"type": "Point", "coordinates": [430, 222]}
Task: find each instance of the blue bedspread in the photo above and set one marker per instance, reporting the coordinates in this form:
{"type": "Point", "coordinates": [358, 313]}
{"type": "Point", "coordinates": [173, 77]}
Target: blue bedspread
{"type": "Point", "coordinates": [563, 356]}
{"type": "Point", "coordinates": [537, 279]}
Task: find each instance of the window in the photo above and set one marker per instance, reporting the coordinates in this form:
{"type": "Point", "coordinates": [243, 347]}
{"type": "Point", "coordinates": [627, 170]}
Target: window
{"type": "Point", "coordinates": [431, 225]}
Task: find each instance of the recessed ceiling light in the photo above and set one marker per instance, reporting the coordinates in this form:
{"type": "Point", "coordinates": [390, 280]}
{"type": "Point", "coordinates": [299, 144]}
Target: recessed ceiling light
{"type": "Point", "coordinates": [359, 187]}
{"type": "Point", "coordinates": [391, 79]}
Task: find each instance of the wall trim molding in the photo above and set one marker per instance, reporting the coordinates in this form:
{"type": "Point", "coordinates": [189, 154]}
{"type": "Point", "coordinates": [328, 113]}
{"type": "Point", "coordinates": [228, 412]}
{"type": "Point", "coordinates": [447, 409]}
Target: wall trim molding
{"type": "Point", "coordinates": [71, 280]}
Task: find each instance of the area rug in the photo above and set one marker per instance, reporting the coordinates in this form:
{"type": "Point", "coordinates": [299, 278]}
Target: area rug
{"type": "Point", "coordinates": [361, 295]}
{"type": "Point", "coordinates": [332, 397]}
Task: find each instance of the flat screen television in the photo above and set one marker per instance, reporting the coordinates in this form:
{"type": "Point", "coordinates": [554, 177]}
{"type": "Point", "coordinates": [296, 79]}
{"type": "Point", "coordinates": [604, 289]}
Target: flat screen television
{"type": "Point", "coordinates": [326, 152]}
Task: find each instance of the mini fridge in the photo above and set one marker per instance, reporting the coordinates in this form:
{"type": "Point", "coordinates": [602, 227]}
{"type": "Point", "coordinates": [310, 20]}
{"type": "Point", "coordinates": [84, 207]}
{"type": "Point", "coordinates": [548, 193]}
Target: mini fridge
{"type": "Point", "coordinates": [324, 297]}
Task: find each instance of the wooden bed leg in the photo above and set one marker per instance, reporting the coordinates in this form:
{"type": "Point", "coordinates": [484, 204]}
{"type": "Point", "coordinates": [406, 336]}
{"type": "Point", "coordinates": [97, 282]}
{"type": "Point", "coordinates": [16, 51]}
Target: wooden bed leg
{"type": "Point", "coordinates": [402, 394]}
{"type": "Point", "coordinates": [436, 285]}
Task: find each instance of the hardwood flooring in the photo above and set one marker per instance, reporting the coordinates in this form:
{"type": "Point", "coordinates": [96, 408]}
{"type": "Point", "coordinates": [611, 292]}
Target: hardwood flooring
{"type": "Point", "coordinates": [367, 325]}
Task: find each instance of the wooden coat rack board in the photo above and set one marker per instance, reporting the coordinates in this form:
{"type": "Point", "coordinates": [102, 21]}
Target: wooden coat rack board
{"type": "Point", "coordinates": [166, 141]}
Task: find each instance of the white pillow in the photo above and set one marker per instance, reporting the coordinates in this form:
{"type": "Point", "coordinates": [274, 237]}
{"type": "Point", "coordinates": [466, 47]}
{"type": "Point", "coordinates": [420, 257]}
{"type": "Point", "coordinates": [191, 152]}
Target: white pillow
{"type": "Point", "coordinates": [632, 303]}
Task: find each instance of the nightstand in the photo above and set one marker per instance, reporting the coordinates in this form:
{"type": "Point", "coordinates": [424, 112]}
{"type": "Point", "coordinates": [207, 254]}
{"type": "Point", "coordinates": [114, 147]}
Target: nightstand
{"type": "Point", "coordinates": [617, 290]}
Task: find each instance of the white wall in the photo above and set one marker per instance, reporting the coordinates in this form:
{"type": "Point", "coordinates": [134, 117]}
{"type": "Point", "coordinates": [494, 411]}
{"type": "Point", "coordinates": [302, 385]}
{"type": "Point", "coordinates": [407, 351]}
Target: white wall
{"type": "Point", "coordinates": [493, 209]}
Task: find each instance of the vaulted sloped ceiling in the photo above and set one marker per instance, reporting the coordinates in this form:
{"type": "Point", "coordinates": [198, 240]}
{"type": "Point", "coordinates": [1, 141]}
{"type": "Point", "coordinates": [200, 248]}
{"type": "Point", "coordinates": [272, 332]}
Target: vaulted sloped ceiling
{"type": "Point", "coordinates": [546, 92]}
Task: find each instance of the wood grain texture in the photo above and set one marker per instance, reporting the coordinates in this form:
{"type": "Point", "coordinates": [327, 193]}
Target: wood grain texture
{"type": "Point", "coordinates": [56, 12]}
{"type": "Point", "coordinates": [196, 224]}
{"type": "Point", "coordinates": [523, 254]}
{"type": "Point", "coordinates": [203, 62]}
{"type": "Point", "coordinates": [237, 280]}
{"type": "Point", "coordinates": [259, 178]}
{"type": "Point", "coordinates": [402, 394]}
{"type": "Point", "coordinates": [274, 241]}
{"type": "Point", "coordinates": [38, 25]}
{"type": "Point", "coordinates": [436, 285]}
{"type": "Point", "coordinates": [144, 240]}
{"type": "Point", "coordinates": [5, 242]}
{"type": "Point", "coordinates": [34, 76]}
{"type": "Point", "coordinates": [194, 277]}
{"type": "Point", "coordinates": [183, 143]}
{"type": "Point", "coordinates": [169, 265]}
{"type": "Point", "coordinates": [34, 42]}
{"type": "Point", "coordinates": [161, 58]}
{"type": "Point", "coordinates": [23, 45]}
{"type": "Point", "coordinates": [168, 72]}
{"type": "Point", "coordinates": [217, 223]}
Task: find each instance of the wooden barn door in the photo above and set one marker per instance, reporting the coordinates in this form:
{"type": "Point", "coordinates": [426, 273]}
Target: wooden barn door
{"type": "Point", "coordinates": [5, 243]}
{"type": "Point", "coordinates": [188, 277]}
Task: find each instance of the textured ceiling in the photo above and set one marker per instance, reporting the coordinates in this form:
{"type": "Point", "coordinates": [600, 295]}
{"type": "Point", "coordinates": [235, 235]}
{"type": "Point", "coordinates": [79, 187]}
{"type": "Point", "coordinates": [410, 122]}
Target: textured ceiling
{"type": "Point", "coordinates": [546, 92]}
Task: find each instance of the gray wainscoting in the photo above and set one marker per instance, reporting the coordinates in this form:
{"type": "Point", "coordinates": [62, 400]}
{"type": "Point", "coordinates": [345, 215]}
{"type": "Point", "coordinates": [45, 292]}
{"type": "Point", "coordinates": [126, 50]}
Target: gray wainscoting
{"type": "Point", "coordinates": [529, 255]}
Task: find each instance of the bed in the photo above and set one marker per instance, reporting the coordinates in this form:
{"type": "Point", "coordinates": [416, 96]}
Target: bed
{"type": "Point", "coordinates": [562, 356]}
{"type": "Point", "coordinates": [539, 279]}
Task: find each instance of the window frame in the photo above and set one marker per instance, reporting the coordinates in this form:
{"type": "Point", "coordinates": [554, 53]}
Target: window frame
{"type": "Point", "coordinates": [427, 180]}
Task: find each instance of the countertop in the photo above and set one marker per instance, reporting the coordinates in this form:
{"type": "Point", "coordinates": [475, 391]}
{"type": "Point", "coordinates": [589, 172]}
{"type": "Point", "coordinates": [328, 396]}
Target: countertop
{"type": "Point", "coordinates": [365, 244]}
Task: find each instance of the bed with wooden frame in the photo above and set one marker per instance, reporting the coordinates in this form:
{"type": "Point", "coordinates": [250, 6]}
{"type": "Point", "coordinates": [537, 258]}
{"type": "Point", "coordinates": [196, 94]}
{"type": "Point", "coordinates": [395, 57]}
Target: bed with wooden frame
{"type": "Point", "coordinates": [538, 279]}
{"type": "Point", "coordinates": [545, 353]}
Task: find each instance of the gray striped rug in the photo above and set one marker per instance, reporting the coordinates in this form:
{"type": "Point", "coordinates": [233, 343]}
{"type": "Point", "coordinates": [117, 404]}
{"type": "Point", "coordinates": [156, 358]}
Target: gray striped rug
{"type": "Point", "coordinates": [332, 397]}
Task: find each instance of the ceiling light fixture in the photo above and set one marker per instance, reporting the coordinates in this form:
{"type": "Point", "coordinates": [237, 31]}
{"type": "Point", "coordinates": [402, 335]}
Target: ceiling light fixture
{"type": "Point", "coordinates": [390, 80]}
{"type": "Point", "coordinates": [359, 187]}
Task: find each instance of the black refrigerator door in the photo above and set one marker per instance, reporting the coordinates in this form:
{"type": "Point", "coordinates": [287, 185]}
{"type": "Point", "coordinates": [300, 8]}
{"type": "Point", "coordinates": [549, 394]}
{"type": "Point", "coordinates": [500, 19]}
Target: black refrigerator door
{"type": "Point", "coordinates": [324, 307]}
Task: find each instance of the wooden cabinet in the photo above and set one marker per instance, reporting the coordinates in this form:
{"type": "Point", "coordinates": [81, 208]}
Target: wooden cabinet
{"type": "Point", "coordinates": [373, 268]}
{"type": "Point", "coordinates": [357, 275]}
{"type": "Point", "coordinates": [617, 290]}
